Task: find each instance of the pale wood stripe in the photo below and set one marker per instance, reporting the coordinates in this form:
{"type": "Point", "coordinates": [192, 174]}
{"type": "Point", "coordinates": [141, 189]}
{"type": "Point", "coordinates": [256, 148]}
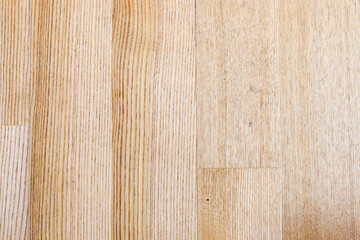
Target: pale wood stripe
{"type": "Point", "coordinates": [319, 48]}
{"type": "Point", "coordinates": [15, 25]}
{"type": "Point", "coordinates": [71, 120]}
{"type": "Point", "coordinates": [154, 120]}
{"type": "Point", "coordinates": [14, 110]}
{"type": "Point", "coordinates": [237, 83]}
{"type": "Point", "coordinates": [239, 203]}
{"type": "Point", "coordinates": [14, 182]}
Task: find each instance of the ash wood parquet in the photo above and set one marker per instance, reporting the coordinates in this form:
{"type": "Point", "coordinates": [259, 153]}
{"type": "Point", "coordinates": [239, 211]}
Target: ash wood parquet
{"type": "Point", "coordinates": [179, 119]}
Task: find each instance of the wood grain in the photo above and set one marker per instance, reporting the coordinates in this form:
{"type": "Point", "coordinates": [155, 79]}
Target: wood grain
{"type": "Point", "coordinates": [153, 93]}
{"type": "Point", "coordinates": [132, 73]}
{"type": "Point", "coordinates": [237, 83]}
{"type": "Point", "coordinates": [14, 182]}
{"type": "Point", "coordinates": [179, 119]}
{"type": "Point", "coordinates": [14, 61]}
{"type": "Point", "coordinates": [239, 203]}
{"type": "Point", "coordinates": [320, 115]}
{"type": "Point", "coordinates": [71, 120]}
{"type": "Point", "coordinates": [15, 26]}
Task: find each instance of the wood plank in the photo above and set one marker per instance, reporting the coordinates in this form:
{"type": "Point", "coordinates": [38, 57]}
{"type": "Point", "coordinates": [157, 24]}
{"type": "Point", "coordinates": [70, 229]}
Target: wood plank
{"type": "Point", "coordinates": [237, 83]}
{"type": "Point", "coordinates": [71, 120]}
{"type": "Point", "coordinates": [14, 111]}
{"type": "Point", "coordinates": [154, 140]}
{"type": "Point", "coordinates": [14, 61]}
{"type": "Point", "coordinates": [320, 115]}
{"type": "Point", "coordinates": [239, 203]}
{"type": "Point", "coordinates": [14, 182]}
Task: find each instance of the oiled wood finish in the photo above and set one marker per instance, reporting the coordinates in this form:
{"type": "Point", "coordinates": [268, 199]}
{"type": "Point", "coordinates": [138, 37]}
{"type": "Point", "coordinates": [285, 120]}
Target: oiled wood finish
{"type": "Point", "coordinates": [71, 151]}
{"type": "Point", "coordinates": [153, 95]}
{"type": "Point", "coordinates": [320, 115]}
{"type": "Point", "coordinates": [239, 203]}
{"type": "Point", "coordinates": [237, 83]}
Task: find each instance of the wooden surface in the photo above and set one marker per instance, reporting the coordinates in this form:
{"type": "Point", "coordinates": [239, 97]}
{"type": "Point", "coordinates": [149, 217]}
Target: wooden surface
{"type": "Point", "coordinates": [15, 25]}
{"type": "Point", "coordinates": [71, 150]}
{"type": "Point", "coordinates": [14, 182]}
{"type": "Point", "coordinates": [319, 48]}
{"type": "Point", "coordinates": [154, 135]}
{"type": "Point", "coordinates": [179, 119]}
{"type": "Point", "coordinates": [237, 84]}
{"type": "Point", "coordinates": [15, 62]}
{"type": "Point", "coordinates": [239, 203]}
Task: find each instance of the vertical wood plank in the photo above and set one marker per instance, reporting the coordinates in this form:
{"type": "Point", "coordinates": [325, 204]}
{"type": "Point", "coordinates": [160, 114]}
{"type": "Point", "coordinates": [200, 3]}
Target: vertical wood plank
{"type": "Point", "coordinates": [237, 83]}
{"type": "Point", "coordinates": [133, 64]}
{"type": "Point", "coordinates": [154, 120]}
{"type": "Point", "coordinates": [239, 203]}
{"type": "Point", "coordinates": [14, 61]}
{"type": "Point", "coordinates": [15, 26]}
{"type": "Point", "coordinates": [14, 182]}
{"type": "Point", "coordinates": [320, 115]}
{"type": "Point", "coordinates": [71, 120]}
{"type": "Point", "coordinates": [173, 141]}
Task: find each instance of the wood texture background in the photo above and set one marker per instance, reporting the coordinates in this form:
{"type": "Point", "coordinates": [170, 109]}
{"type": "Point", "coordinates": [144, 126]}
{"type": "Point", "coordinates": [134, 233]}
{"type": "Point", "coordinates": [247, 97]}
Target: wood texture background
{"type": "Point", "coordinates": [179, 119]}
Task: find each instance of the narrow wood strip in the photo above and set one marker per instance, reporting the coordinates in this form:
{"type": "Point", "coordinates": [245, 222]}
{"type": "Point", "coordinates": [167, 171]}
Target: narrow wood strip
{"type": "Point", "coordinates": [133, 69]}
{"type": "Point", "coordinates": [239, 203]}
{"type": "Point", "coordinates": [15, 26]}
{"type": "Point", "coordinates": [14, 182]}
{"type": "Point", "coordinates": [320, 115]}
{"type": "Point", "coordinates": [71, 120]}
{"type": "Point", "coordinates": [153, 93]}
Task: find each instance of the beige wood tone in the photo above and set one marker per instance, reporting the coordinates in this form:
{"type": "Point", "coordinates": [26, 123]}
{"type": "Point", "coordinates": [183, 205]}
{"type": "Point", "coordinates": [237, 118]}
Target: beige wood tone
{"type": "Point", "coordinates": [71, 152]}
{"type": "Point", "coordinates": [237, 83]}
{"type": "Point", "coordinates": [239, 203]}
{"type": "Point", "coordinates": [14, 182]}
{"type": "Point", "coordinates": [179, 119]}
{"type": "Point", "coordinates": [154, 138]}
{"type": "Point", "coordinates": [15, 26]}
{"type": "Point", "coordinates": [320, 115]}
